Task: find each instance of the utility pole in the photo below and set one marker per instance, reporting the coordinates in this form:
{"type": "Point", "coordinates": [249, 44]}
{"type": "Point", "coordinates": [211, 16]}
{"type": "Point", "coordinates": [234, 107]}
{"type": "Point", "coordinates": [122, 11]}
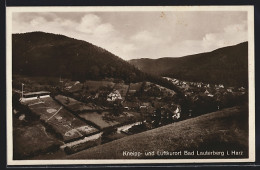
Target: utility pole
{"type": "Point", "coordinates": [61, 83]}
{"type": "Point", "coordinates": [22, 90]}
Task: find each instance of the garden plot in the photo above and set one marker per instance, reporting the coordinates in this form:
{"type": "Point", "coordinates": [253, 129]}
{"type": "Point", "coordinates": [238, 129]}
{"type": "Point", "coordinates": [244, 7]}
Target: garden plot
{"type": "Point", "coordinates": [65, 124]}
{"type": "Point", "coordinates": [126, 117]}
{"type": "Point", "coordinates": [75, 105]}
{"type": "Point", "coordinates": [107, 119]}
{"type": "Point", "coordinates": [98, 119]}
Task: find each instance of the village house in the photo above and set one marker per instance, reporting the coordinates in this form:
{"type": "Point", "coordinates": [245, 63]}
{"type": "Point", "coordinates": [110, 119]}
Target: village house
{"type": "Point", "coordinates": [177, 82]}
{"type": "Point", "coordinates": [73, 86]}
{"type": "Point", "coordinates": [68, 85]}
{"type": "Point", "coordinates": [241, 89]}
{"type": "Point", "coordinates": [167, 78]}
{"type": "Point", "coordinates": [145, 105]}
{"type": "Point", "coordinates": [221, 86]}
{"type": "Point", "coordinates": [113, 96]}
{"type": "Point", "coordinates": [208, 93]}
{"type": "Point", "coordinates": [185, 87]}
{"type": "Point", "coordinates": [230, 89]}
{"type": "Point", "coordinates": [170, 111]}
{"type": "Point", "coordinates": [177, 113]}
{"type": "Point", "coordinates": [207, 85]}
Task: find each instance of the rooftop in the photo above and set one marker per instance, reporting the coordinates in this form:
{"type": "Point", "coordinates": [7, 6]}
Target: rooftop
{"type": "Point", "coordinates": [38, 92]}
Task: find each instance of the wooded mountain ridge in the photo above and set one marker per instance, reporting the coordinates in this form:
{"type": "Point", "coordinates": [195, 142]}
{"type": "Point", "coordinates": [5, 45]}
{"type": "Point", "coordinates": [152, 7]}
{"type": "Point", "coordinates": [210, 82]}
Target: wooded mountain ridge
{"type": "Point", "coordinates": [228, 65]}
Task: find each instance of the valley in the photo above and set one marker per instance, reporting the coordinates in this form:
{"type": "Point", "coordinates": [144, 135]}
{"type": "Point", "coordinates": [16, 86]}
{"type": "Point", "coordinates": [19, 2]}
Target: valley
{"type": "Point", "coordinates": [70, 97]}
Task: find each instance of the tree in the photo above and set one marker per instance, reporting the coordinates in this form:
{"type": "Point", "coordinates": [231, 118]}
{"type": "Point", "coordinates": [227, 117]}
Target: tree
{"type": "Point", "coordinates": [94, 71]}
{"type": "Point", "coordinates": [16, 103]}
{"type": "Point", "coordinates": [157, 117]}
{"type": "Point", "coordinates": [117, 108]}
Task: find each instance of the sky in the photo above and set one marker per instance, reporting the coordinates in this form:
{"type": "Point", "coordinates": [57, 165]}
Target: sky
{"type": "Point", "coordinates": [132, 35]}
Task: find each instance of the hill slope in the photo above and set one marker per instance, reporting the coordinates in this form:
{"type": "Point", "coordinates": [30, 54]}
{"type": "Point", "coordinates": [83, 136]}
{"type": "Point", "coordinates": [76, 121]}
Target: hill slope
{"type": "Point", "coordinates": [223, 130]}
{"type": "Point", "coordinates": [228, 65]}
{"type": "Point", "coordinates": [45, 54]}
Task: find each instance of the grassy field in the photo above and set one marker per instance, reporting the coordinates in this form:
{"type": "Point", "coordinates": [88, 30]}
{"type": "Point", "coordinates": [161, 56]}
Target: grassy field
{"type": "Point", "coordinates": [224, 130]}
{"type": "Point", "coordinates": [135, 86]}
{"type": "Point", "coordinates": [76, 106]}
{"type": "Point", "coordinates": [95, 85]}
{"type": "Point", "coordinates": [33, 139]}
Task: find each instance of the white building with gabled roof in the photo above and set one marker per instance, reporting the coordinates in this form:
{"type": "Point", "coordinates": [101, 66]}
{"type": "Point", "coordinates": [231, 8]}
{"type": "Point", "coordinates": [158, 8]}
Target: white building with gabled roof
{"type": "Point", "coordinates": [113, 96]}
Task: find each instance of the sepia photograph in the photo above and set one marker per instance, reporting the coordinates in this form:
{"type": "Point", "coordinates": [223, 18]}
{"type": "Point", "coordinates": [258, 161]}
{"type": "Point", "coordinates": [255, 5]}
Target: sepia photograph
{"type": "Point", "coordinates": [106, 85]}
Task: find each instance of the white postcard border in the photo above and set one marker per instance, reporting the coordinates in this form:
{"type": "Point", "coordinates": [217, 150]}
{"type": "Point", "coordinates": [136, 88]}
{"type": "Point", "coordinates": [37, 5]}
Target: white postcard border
{"type": "Point", "coordinates": [251, 67]}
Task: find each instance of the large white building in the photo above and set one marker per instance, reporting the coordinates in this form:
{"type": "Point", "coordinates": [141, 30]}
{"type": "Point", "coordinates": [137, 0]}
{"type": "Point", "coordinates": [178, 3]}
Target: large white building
{"type": "Point", "coordinates": [34, 95]}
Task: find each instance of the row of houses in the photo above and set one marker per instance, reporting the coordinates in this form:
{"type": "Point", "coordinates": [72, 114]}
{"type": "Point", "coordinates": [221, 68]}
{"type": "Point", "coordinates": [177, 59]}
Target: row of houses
{"type": "Point", "coordinates": [209, 88]}
{"type": "Point", "coordinates": [192, 84]}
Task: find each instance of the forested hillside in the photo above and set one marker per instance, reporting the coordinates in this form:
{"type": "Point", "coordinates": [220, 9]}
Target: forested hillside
{"type": "Point", "coordinates": [228, 65]}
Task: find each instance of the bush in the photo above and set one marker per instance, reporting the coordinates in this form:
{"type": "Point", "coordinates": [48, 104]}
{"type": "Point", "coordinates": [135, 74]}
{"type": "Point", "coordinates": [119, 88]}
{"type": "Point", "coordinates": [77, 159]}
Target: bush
{"type": "Point", "coordinates": [108, 131]}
